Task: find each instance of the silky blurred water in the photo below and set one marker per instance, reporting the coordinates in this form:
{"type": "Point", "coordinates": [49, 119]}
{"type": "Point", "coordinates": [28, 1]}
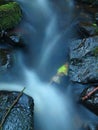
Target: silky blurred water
{"type": "Point", "coordinates": [46, 49]}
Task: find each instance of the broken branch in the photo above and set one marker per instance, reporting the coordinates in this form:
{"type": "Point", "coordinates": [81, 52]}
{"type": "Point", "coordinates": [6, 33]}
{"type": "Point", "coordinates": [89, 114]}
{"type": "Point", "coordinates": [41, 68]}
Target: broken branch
{"type": "Point", "coordinates": [9, 110]}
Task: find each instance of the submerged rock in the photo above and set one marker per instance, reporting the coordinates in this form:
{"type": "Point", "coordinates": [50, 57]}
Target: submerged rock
{"type": "Point", "coordinates": [21, 115]}
{"type": "Point", "coordinates": [16, 41]}
{"type": "Point", "coordinates": [10, 15]}
{"type": "Point", "coordinates": [84, 60]}
{"type": "Point", "coordinates": [5, 59]}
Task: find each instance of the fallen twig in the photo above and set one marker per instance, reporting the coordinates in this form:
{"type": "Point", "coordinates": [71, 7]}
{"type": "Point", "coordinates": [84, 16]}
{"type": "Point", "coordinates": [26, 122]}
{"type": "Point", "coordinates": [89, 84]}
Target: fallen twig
{"type": "Point", "coordinates": [10, 108]}
{"type": "Point", "coordinates": [89, 94]}
{"type": "Point", "coordinates": [81, 44]}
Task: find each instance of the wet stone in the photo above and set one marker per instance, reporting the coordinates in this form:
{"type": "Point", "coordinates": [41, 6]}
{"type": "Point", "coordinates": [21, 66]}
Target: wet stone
{"type": "Point", "coordinates": [21, 115]}
{"type": "Point", "coordinates": [84, 60]}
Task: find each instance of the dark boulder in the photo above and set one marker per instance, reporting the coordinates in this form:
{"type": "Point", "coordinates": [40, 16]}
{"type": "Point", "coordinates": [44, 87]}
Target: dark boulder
{"type": "Point", "coordinates": [16, 41]}
{"type": "Point", "coordinates": [91, 29]}
{"type": "Point", "coordinates": [13, 40]}
{"type": "Point", "coordinates": [87, 19]}
{"type": "Point", "coordinates": [87, 16]}
{"type": "Point", "coordinates": [84, 60]}
{"type": "Point", "coordinates": [21, 115]}
{"type": "Point", "coordinates": [94, 2]}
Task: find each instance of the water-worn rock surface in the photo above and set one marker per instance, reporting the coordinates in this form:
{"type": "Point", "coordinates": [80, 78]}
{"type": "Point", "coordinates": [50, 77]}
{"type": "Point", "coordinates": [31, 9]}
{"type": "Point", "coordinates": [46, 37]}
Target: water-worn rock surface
{"type": "Point", "coordinates": [84, 60]}
{"type": "Point", "coordinates": [21, 115]}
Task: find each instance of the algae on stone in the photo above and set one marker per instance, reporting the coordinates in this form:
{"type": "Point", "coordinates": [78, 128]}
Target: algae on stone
{"type": "Point", "coordinates": [10, 15]}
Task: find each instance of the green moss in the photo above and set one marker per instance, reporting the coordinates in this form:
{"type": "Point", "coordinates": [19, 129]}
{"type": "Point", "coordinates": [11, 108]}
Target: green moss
{"type": "Point", "coordinates": [10, 15]}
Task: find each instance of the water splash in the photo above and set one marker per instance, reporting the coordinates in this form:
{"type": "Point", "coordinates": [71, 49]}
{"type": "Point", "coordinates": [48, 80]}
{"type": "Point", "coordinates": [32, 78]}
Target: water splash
{"type": "Point", "coordinates": [51, 39]}
{"type": "Point", "coordinates": [42, 23]}
{"type": "Point", "coordinates": [53, 110]}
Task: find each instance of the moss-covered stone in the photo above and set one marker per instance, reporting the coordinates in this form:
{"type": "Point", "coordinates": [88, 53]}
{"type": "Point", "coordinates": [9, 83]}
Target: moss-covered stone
{"type": "Point", "coordinates": [10, 15]}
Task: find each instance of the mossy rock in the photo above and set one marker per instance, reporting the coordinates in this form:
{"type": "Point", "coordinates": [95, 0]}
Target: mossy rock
{"type": "Point", "coordinates": [10, 15]}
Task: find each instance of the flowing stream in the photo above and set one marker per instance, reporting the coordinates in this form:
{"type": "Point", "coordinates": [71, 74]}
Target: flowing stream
{"type": "Point", "coordinates": [41, 29]}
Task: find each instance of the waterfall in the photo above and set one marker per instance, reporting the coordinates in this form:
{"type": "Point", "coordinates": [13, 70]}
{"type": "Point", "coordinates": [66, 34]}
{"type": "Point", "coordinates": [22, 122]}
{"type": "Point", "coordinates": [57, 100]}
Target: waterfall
{"type": "Point", "coordinates": [53, 110]}
{"type": "Point", "coordinates": [43, 37]}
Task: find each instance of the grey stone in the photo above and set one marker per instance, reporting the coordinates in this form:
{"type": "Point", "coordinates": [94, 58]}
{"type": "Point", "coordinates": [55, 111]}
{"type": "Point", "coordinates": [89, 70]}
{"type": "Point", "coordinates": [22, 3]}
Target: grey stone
{"type": "Point", "coordinates": [84, 60]}
{"type": "Point", "coordinates": [21, 115]}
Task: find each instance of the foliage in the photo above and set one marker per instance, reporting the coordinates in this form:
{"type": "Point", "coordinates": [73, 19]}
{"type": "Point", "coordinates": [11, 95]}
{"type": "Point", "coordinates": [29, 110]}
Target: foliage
{"type": "Point", "coordinates": [10, 15]}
